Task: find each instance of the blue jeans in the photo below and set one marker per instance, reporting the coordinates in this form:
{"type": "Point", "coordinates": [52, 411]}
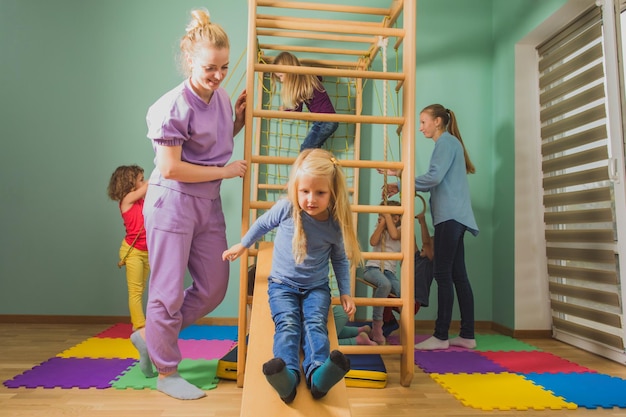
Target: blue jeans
{"type": "Point", "coordinates": [320, 131]}
{"type": "Point", "coordinates": [300, 318]}
{"type": "Point", "coordinates": [449, 270]}
{"type": "Point", "coordinates": [385, 283]}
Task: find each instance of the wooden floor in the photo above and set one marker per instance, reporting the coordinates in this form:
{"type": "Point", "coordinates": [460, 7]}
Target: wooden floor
{"type": "Point", "coordinates": [23, 346]}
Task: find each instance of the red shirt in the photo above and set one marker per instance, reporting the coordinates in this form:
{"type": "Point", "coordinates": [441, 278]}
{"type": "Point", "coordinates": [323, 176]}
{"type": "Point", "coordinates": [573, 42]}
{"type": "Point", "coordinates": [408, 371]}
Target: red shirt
{"type": "Point", "coordinates": [133, 222]}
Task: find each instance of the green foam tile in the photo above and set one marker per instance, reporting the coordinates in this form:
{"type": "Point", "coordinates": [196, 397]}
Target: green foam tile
{"type": "Point", "coordinates": [199, 372]}
{"type": "Point", "coordinates": [501, 343]}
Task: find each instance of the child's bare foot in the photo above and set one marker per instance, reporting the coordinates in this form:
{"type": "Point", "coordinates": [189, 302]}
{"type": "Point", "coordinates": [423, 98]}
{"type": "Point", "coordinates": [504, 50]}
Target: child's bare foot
{"type": "Point", "coordinates": [363, 339]}
{"type": "Point", "coordinates": [365, 329]}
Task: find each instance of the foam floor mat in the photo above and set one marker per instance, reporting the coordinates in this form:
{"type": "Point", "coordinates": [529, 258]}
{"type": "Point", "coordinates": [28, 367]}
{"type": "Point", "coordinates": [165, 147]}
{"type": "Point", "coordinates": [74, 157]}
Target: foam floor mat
{"type": "Point", "coordinates": [504, 373]}
{"type": "Point", "coordinates": [589, 390]}
{"type": "Point", "coordinates": [109, 358]}
{"type": "Point", "coordinates": [534, 361]}
{"type": "Point", "coordinates": [201, 331]}
{"type": "Point", "coordinates": [503, 391]}
{"type": "Point", "coordinates": [71, 373]}
{"type": "Point", "coordinates": [199, 372]}
{"type": "Point", "coordinates": [105, 348]}
{"type": "Point", "coordinates": [454, 362]}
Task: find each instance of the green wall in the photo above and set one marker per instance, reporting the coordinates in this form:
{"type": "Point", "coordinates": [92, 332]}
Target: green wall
{"type": "Point", "coordinates": [512, 20]}
{"type": "Point", "coordinates": [76, 79]}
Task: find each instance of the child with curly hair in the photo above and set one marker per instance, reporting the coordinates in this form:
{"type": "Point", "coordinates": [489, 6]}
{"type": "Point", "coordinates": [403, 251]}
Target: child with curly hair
{"type": "Point", "coordinates": [128, 188]}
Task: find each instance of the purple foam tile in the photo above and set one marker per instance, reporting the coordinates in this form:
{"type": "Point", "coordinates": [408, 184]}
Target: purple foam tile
{"type": "Point", "coordinates": [455, 362]}
{"type": "Point", "coordinates": [71, 373]}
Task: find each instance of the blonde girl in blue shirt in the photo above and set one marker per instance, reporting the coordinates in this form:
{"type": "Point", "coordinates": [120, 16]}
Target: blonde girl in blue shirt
{"type": "Point", "coordinates": [314, 228]}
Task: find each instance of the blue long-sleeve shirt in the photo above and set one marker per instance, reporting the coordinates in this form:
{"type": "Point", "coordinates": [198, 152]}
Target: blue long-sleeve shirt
{"type": "Point", "coordinates": [446, 180]}
{"type": "Point", "coordinates": [324, 243]}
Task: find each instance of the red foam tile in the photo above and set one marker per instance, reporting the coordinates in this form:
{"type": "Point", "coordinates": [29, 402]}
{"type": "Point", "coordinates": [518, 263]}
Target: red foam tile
{"type": "Point", "coordinates": [526, 362]}
{"type": "Point", "coordinates": [117, 331]}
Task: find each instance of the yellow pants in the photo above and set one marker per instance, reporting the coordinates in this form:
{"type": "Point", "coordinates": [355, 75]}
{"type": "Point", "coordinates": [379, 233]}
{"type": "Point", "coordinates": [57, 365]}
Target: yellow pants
{"type": "Point", "coordinates": [137, 271]}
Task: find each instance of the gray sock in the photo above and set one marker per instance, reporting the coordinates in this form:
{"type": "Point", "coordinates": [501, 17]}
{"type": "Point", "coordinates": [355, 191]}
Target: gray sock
{"type": "Point", "coordinates": [145, 364]}
{"type": "Point", "coordinates": [175, 386]}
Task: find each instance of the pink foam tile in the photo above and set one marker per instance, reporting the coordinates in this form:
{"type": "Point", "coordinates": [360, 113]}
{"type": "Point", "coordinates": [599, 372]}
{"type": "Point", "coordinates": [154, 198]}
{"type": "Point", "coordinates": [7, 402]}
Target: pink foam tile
{"type": "Point", "coordinates": [117, 331]}
{"type": "Point", "coordinates": [204, 349]}
{"type": "Point", "coordinates": [526, 362]}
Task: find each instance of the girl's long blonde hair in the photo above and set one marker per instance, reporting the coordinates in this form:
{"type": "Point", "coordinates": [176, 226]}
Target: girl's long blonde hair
{"type": "Point", "coordinates": [322, 164]}
{"type": "Point", "coordinates": [296, 88]}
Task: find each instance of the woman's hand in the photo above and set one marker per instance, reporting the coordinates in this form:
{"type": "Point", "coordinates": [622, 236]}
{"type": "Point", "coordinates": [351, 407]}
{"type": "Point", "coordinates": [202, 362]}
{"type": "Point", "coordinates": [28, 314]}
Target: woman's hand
{"type": "Point", "coordinates": [240, 112]}
{"type": "Point", "coordinates": [236, 169]}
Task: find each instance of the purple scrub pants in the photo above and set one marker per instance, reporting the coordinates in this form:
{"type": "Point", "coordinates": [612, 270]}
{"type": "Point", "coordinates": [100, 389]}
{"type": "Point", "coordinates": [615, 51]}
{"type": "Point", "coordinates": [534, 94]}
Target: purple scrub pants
{"type": "Point", "coordinates": [183, 232]}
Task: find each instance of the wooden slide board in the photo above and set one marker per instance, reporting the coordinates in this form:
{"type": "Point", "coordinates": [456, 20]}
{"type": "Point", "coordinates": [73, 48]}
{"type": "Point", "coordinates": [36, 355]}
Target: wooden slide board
{"type": "Point", "coordinates": [259, 398]}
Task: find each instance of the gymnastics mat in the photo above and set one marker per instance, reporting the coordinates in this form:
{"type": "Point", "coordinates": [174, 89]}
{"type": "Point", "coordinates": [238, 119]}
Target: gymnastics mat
{"type": "Point", "coordinates": [366, 371]}
{"type": "Point", "coordinates": [227, 365]}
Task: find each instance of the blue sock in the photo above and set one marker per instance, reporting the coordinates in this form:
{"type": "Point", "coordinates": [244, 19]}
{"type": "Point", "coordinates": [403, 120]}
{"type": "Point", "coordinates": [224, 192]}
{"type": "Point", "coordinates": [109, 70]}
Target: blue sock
{"type": "Point", "coordinates": [327, 375]}
{"type": "Point", "coordinates": [282, 379]}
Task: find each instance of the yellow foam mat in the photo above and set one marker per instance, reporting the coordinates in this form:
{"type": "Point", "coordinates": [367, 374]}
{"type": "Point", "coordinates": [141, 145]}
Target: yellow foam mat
{"type": "Point", "coordinates": [106, 348]}
{"type": "Point", "coordinates": [502, 391]}
{"type": "Point", "coordinates": [365, 379]}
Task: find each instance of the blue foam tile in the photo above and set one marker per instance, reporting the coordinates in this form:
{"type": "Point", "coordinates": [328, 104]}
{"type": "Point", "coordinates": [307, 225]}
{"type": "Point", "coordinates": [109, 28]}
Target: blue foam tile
{"type": "Point", "coordinates": [589, 390]}
{"type": "Point", "coordinates": [206, 332]}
